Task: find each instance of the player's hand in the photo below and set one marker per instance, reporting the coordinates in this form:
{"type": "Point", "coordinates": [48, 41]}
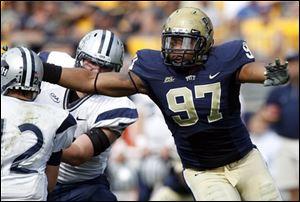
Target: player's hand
{"type": "Point", "coordinates": [276, 73]}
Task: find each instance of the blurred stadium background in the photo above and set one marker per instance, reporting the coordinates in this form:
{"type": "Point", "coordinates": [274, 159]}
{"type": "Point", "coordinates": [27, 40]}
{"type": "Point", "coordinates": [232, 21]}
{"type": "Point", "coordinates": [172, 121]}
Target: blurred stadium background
{"type": "Point", "coordinates": [271, 29]}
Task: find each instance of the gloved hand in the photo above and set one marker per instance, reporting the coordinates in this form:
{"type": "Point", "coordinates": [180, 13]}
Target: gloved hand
{"type": "Point", "coordinates": [276, 73]}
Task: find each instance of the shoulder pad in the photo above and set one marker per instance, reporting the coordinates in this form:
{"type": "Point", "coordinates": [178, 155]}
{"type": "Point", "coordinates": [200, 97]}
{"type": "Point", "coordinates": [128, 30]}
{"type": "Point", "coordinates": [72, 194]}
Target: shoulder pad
{"type": "Point", "coordinates": [57, 58]}
{"type": "Point", "coordinates": [228, 51]}
{"type": "Point", "coordinates": [149, 56]}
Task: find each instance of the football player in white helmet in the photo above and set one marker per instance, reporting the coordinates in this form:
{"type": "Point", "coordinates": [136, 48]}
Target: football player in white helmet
{"type": "Point", "coordinates": [32, 135]}
{"type": "Point", "coordinates": [196, 85]}
{"type": "Point", "coordinates": [101, 119]}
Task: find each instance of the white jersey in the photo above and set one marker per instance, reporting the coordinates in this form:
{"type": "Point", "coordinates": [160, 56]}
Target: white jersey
{"type": "Point", "coordinates": [30, 133]}
{"type": "Point", "coordinates": [91, 111]}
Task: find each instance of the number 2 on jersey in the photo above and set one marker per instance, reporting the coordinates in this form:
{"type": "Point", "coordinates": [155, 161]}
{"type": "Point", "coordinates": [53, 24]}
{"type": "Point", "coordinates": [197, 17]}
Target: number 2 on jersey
{"type": "Point", "coordinates": [188, 105]}
{"type": "Point", "coordinates": [28, 153]}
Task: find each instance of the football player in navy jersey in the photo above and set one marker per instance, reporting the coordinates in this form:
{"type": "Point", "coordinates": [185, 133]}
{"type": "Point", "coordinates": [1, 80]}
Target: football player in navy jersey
{"type": "Point", "coordinates": [196, 85]}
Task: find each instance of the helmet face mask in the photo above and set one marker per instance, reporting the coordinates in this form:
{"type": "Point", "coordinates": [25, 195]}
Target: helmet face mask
{"type": "Point", "coordinates": [186, 39]}
{"type": "Point", "coordinates": [21, 69]}
{"type": "Point", "coordinates": [101, 47]}
{"type": "Point", "coordinates": [102, 63]}
{"type": "Point", "coordinates": [182, 50]}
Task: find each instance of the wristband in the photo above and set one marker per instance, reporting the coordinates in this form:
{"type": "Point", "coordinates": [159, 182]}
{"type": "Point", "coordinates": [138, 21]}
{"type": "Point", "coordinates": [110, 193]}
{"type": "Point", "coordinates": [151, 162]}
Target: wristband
{"type": "Point", "coordinates": [52, 73]}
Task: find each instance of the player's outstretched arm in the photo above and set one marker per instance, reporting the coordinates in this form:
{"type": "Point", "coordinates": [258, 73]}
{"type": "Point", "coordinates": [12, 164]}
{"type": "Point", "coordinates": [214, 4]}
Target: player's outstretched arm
{"type": "Point", "coordinates": [109, 83]}
{"type": "Point", "coordinates": [272, 74]}
{"type": "Point", "coordinates": [78, 79]}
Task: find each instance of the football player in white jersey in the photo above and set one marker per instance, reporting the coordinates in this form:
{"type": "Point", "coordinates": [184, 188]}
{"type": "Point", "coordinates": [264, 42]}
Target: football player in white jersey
{"type": "Point", "coordinates": [32, 135]}
{"type": "Point", "coordinates": [101, 119]}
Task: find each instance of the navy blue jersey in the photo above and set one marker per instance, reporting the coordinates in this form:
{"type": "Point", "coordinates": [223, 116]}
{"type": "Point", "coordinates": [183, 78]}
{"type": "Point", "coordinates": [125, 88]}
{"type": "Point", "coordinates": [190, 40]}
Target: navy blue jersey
{"type": "Point", "coordinates": [202, 110]}
{"type": "Point", "coordinates": [287, 98]}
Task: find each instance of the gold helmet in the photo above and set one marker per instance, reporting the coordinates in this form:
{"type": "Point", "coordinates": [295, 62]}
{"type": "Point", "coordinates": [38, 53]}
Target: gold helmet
{"type": "Point", "coordinates": [186, 38]}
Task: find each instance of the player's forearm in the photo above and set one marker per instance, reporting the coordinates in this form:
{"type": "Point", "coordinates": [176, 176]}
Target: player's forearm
{"type": "Point", "coordinates": [73, 156]}
{"type": "Point", "coordinates": [80, 151]}
{"type": "Point", "coordinates": [109, 83]}
{"type": "Point", "coordinates": [272, 74]}
{"type": "Point", "coordinates": [52, 174]}
{"type": "Point", "coordinates": [73, 78]}
{"type": "Point", "coordinates": [78, 79]}
{"type": "Point", "coordinates": [114, 84]}
{"type": "Point", "coordinates": [252, 73]}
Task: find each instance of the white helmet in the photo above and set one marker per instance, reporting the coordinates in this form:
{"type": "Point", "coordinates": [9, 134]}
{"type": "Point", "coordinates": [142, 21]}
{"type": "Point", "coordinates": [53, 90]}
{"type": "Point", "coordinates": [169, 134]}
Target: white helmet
{"type": "Point", "coordinates": [102, 47]}
{"type": "Point", "coordinates": [21, 69]}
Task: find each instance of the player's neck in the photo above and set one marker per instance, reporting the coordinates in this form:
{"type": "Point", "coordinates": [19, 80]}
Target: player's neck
{"type": "Point", "coordinates": [190, 70]}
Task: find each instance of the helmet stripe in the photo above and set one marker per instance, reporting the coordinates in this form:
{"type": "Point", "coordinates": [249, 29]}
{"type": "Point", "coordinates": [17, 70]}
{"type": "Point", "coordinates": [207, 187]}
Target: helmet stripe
{"type": "Point", "coordinates": [110, 44]}
{"type": "Point", "coordinates": [33, 68]}
{"type": "Point", "coordinates": [29, 68]}
{"type": "Point", "coordinates": [102, 41]}
{"type": "Point", "coordinates": [24, 66]}
{"type": "Point", "coordinates": [106, 42]}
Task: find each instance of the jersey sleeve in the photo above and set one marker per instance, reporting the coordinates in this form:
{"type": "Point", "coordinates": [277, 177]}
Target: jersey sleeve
{"type": "Point", "coordinates": [146, 65]}
{"type": "Point", "coordinates": [245, 55]}
{"type": "Point", "coordinates": [115, 114]}
{"type": "Point", "coordinates": [65, 133]}
{"type": "Point", "coordinates": [233, 55]}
